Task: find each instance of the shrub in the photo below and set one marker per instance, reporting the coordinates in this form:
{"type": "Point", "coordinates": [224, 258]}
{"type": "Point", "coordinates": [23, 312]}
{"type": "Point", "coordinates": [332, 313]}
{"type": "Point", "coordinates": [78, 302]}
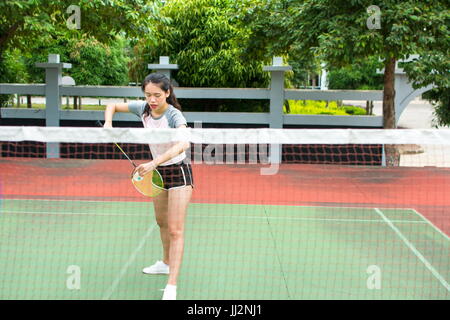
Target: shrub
{"type": "Point", "coordinates": [320, 107]}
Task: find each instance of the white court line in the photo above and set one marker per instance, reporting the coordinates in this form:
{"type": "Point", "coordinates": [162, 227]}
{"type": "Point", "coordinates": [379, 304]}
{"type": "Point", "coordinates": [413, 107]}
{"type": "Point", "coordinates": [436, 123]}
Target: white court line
{"type": "Point", "coordinates": [431, 224]}
{"type": "Point", "coordinates": [203, 203]}
{"type": "Point", "coordinates": [81, 213]}
{"type": "Point", "coordinates": [75, 200]}
{"type": "Point", "coordinates": [414, 250]}
{"type": "Point", "coordinates": [127, 264]}
{"type": "Point", "coordinates": [217, 216]}
{"type": "Point", "coordinates": [335, 207]}
{"type": "Point", "coordinates": [306, 219]}
{"type": "Point", "coordinates": [302, 206]}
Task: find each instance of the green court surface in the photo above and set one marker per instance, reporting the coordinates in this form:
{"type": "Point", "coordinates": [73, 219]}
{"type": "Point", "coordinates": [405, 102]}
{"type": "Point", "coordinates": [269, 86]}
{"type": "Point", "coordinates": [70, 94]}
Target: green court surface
{"type": "Point", "coordinates": [52, 249]}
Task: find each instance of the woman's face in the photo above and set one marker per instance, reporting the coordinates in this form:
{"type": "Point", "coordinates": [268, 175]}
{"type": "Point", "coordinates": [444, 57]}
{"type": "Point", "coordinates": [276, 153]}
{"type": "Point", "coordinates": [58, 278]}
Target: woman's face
{"type": "Point", "coordinates": [155, 96]}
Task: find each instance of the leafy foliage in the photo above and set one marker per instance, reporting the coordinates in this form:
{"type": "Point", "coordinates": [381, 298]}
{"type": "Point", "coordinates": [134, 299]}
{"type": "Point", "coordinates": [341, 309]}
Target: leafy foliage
{"type": "Point", "coordinates": [205, 39]}
{"type": "Point", "coordinates": [12, 69]}
{"type": "Point", "coordinates": [336, 32]}
{"type": "Point", "coordinates": [93, 63]}
{"type": "Point", "coordinates": [357, 76]}
{"type": "Point", "coordinates": [24, 22]}
{"type": "Point", "coordinates": [434, 68]}
{"type": "Point", "coordinates": [39, 27]}
{"type": "Point", "coordinates": [440, 98]}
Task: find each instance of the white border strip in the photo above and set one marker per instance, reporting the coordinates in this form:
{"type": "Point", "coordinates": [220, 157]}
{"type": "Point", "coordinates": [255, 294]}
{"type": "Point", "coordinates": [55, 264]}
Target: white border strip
{"type": "Point", "coordinates": [193, 215]}
{"type": "Point", "coordinates": [414, 250]}
{"type": "Point", "coordinates": [54, 213]}
{"type": "Point", "coordinates": [337, 206]}
{"type": "Point", "coordinates": [228, 136]}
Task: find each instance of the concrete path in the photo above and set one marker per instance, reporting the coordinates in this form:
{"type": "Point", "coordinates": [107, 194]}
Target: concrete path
{"type": "Point", "coordinates": [418, 114]}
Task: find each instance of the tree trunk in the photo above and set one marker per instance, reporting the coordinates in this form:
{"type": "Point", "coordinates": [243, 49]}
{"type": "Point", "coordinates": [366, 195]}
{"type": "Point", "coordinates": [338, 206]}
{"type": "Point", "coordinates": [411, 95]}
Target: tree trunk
{"type": "Point", "coordinates": [391, 152]}
{"type": "Point", "coordinates": [369, 108]}
{"type": "Point", "coordinates": [288, 107]}
{"type": "Point", "coordinates": [314, 81]}
{"type": "Point", "coordinates": [8, 34]}
{"type": "Point", "coordinates": [389, 95]}
{"type": "Point", "coordinates": [29, 105]}
{"type": "Point", "coordinates": [77, 103]}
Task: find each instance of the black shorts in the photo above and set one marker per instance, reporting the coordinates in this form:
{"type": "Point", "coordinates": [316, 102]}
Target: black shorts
{"type": "Point", "coordinates": [176, 175]}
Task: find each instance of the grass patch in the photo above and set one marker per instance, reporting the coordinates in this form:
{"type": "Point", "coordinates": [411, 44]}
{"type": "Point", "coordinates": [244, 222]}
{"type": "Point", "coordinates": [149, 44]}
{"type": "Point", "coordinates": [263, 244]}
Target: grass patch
{"type": "Point", "coordinates": [320, 107]}
{"type": "Point", "coordinates": [296, 107]}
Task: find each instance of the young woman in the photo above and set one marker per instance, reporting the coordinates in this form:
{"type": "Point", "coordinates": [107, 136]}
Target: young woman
{"type": "Point", "coordinates": [162, 110]}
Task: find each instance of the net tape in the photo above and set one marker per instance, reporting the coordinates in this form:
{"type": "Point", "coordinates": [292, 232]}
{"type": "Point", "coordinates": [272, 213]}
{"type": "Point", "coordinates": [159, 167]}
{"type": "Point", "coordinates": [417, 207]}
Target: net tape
{"type": "Point", "coordinates": [225, 136]}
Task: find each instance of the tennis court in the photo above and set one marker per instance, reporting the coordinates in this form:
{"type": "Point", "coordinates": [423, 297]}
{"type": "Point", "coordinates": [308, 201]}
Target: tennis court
{"type": "Point", "coordinates": [308, 232]}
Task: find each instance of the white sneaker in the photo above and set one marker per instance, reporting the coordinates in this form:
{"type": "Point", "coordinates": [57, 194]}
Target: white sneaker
{"type": "Point", "coordinates": [158, 268]}
{"type": "Point", "coordinates": [170, 292]}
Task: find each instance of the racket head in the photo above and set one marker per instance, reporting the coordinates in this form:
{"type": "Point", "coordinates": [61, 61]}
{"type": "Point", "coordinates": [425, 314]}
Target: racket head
{"type": "Point", "coordinates": [149, 185]}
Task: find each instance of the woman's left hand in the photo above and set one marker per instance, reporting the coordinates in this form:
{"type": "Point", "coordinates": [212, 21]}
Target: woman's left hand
{"type": "Point", "coordinates": [145, 168]}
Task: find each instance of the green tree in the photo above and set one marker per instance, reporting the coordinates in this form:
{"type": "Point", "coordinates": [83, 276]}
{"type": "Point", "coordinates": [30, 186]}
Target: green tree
{"type": "Point", "coordinates": [342, 32]}
{"type": "Point", "coordinates": [440, 98]}
{"type": "Point", "coordinates": [93, 63]}
{"type": "Point", "coordinates": [433, 68]}
{"type": "Point", "coordinates": [12, 69]}
{"type": "Point", "coordinates": [23, 22]}
{"type": "Point", "coordinates": [205, 38]}
{"type": "Point", "coordinates": [357, 76]}
{"type": "Point", "coordinates": [32, 26]}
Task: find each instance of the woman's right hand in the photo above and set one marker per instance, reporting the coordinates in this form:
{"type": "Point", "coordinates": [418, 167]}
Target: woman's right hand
{"type": "Point", "coordinates": [107, 125]}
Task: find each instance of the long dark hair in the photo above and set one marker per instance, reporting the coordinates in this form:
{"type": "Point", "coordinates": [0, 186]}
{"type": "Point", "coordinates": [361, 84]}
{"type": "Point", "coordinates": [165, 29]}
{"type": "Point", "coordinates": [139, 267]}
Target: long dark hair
{"type": "Point", "coordinates": [164, 83]}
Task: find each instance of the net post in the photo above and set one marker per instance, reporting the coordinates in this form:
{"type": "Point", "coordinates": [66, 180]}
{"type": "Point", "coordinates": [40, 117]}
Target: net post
{"type": "Point", "coordinates": [383, 156]}
{"type": "Point", "coordinates": [163, 66]}
{"type": "Point", "coordinates": [53, 81]}
{"type": "Point", "coordinates": [277, 71]}
{"type": "Point", "coordinates": [196, 148]}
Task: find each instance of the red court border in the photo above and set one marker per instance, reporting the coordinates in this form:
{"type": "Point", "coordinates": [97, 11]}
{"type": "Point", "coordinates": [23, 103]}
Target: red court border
{"type": "Point", "coordinates": [423, 189]}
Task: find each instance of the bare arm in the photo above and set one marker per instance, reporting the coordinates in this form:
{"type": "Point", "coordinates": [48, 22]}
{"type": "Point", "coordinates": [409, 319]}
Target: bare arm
{"type": "Point", "coordinates": [169, 154]}
{"type": "Point", "coordinates": [111, 109]}
{"type": "Point", "coordinates": [173, 151]}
